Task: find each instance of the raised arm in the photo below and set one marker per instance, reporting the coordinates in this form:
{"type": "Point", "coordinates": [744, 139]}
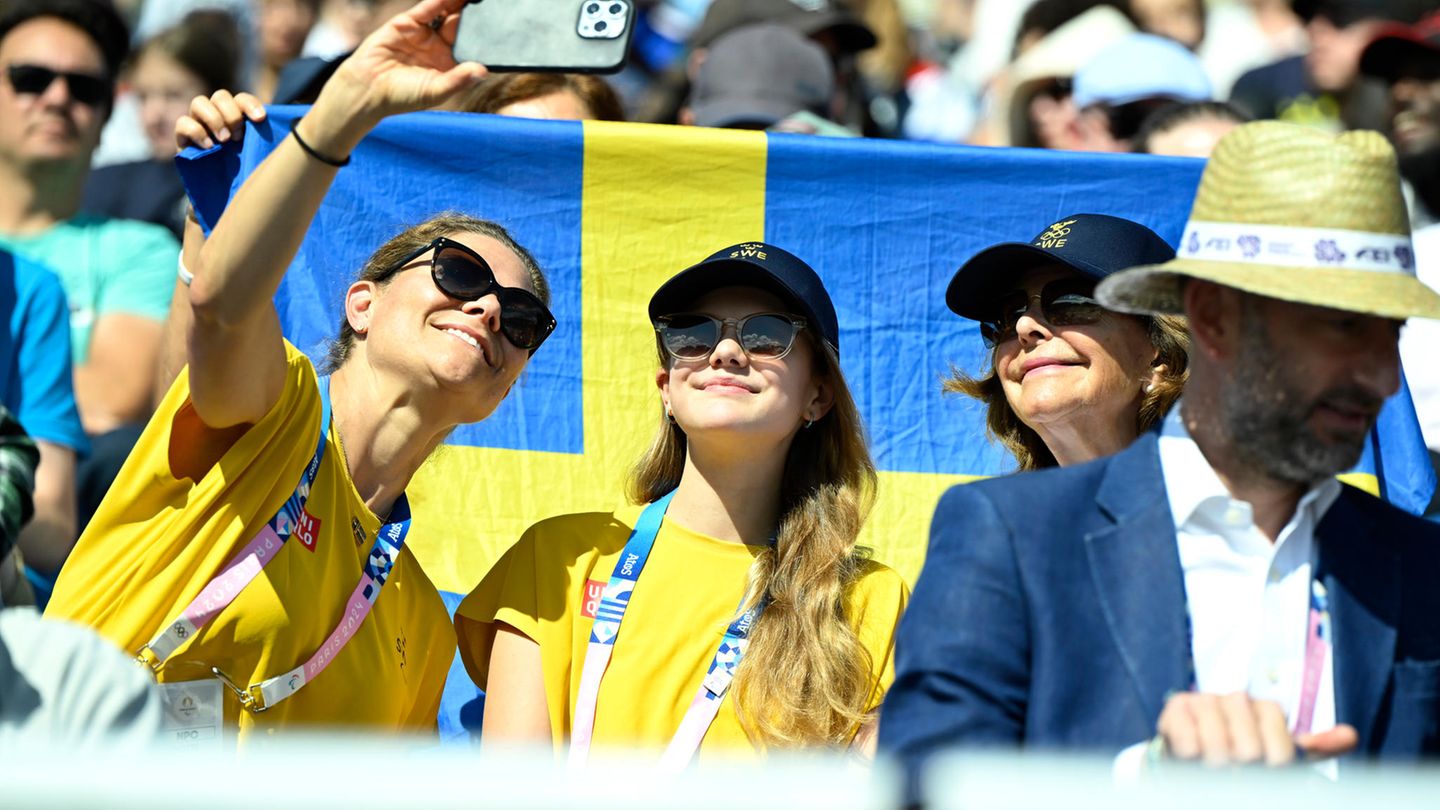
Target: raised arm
{"type": "Point", "coordinates": [235, 351]}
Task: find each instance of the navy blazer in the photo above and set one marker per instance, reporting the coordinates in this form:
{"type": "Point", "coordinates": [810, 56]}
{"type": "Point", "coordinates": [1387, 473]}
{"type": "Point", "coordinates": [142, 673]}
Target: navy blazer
{"type": "Point", "coordinates": [1051, 613]}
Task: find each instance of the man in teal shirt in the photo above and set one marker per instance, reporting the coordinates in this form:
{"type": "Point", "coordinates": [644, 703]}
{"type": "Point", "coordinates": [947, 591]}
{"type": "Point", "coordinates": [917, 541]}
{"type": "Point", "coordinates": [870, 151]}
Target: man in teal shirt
{"type": "Point", "coordinates": [58, 62]}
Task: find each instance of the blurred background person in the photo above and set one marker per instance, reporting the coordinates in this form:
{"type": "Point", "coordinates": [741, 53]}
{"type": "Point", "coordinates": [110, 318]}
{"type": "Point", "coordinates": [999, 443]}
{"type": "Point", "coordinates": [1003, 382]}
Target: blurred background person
{"type": "Point", "coordinates": [1039, 109]}
{"type": "Point", "coordinates": [1187, 129]}
{"type": "Point", "coordinates": [1026, 102]}
{"type": "Point", "coordinates": [195, 58]}
{"type": "Point", "coordinates": [1407, 59]}
{"type": "Point", "coordinates": [1324, 88]}
{"type": "Point", "coordinates": [37, 386]}
{"type": "Point", "coordinates": [1116, 90]}
{"type": "Point", "coordinates": [58, 64]}
{"type": "Point", "coordinates": [762, 77]}
{"type": "Point", "coordinates": [283, 26]}
{"type": "Point", "coordinates": [339, 27]}
{"type": "Point", "coordinates": [300, 80]}
{"type": "Point", "coordinates": [1069, 381]}
{"type": "Point", "coordinates": [834, 25]}
{"type": "Point", "coordinates": [1182, 21]}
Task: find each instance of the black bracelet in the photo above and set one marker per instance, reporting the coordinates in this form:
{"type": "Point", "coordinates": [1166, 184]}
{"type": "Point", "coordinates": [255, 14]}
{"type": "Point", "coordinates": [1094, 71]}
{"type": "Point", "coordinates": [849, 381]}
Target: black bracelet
{"type": "Point", "coordinates": [309, 150]}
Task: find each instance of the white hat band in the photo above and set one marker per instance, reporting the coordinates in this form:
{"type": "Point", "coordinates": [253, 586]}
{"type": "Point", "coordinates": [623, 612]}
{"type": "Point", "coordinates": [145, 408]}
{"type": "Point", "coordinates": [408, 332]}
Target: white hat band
{"type": "Point", "coordinates": [1297, 247]}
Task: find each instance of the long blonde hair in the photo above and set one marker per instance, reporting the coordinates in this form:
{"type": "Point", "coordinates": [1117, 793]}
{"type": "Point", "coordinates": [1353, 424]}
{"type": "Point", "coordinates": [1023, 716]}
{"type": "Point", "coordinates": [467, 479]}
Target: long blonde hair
{"type": "Point", "coordinates": [806, 678]}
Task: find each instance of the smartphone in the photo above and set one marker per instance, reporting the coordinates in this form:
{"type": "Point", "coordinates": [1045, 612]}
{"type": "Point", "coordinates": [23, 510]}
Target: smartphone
{"type": "Point", "coordinates": [563, 36]}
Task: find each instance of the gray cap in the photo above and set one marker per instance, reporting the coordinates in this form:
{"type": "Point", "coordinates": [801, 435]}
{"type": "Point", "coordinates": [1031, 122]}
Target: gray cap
{"type": "Point", "coordinates": [760, 74]}
{"type": "Point", "coordinates": [810, 17]}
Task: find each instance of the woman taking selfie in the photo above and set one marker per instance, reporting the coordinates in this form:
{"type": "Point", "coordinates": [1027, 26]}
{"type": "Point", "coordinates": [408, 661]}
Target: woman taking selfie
{"type": "Point", "coordinates": [755, 489]}
{"type": "Point", "coordinates": [254, 542]}
{"type": "Point", "coordinates": [1069, 381]}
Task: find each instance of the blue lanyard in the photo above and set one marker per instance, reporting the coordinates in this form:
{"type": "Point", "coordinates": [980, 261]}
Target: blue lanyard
{"type": "Point", "coordinates": [606, 628]}
{"type": "Point", "coordinates": [1317, 647]}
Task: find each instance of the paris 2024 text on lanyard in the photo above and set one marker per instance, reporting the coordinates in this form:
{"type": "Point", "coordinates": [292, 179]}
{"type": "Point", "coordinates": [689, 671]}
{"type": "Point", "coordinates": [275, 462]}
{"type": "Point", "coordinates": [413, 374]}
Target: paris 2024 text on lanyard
{"type": "Point", "coordinates": [247, 565]}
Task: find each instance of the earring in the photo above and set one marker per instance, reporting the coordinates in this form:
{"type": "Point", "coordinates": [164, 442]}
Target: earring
{"type": "Point", "coordinates": [669, 415]}
{"type": "Point", "coordinates": [1149, 388]}
{"type": "Point", "coordinates": [809, 423]}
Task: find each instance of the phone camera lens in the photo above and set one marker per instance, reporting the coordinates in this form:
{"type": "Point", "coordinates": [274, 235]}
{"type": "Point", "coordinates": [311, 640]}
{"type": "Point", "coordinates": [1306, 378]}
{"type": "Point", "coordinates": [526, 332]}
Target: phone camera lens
{"type": "Point", "coordinates": [616, 8]}
{"type": "Point", "coordinates": [593, 8]}
{"type": "Point", "coordinates": [600, 26]}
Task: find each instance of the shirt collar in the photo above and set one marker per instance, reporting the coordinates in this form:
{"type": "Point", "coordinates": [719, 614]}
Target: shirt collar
{"type": "Point", "coordinates": [1190, 481]}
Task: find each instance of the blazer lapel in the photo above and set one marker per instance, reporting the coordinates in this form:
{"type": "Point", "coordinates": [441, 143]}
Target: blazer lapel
{"type": "Point", "coordinates": [1362, 579]}
{"type": "Point", "coordinates": [1135, 565]}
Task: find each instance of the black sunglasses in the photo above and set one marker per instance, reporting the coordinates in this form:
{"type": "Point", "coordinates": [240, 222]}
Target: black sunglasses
{"type": "Point", "coordinates": [462, 273]}
{"type": "Point", "coordinates": [1066, 302]}
{"type": "Point", "coordinates": [694, 336]}
{"type": "Point", "coordinates": [86, 88]}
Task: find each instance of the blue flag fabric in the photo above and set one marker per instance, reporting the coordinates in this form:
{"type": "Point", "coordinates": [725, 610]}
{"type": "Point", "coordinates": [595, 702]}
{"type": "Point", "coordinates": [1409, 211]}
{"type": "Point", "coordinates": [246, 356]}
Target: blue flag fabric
{"type": "Point", "coordinates": [612, 210]}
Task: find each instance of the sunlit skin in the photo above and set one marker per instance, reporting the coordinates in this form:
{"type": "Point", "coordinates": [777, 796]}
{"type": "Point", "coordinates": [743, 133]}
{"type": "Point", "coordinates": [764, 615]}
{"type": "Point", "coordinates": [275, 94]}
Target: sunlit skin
{"type": "Point", "coordinates": [1079, 387]}
{"type": "Point", "coordinates": [164, 88]}
{"type": "Point", "coordinates": [1194, 138]}
{"type": "Point", "coordinates": [732, 404]}
{"type": "Point", "coordinates": [404, 325]}
{"type": "Point", "coordinates": [50, 126]}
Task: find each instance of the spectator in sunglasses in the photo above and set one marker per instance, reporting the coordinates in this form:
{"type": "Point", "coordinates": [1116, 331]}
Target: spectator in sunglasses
{"type": "Point", "coordinates": [762, 462]}
{"type": "Point", "coordinates": [1069, 380]}
{"type": "Point", "coordinates": [58, 62]}
{"type": "Point", "coordinates": [244, 464]}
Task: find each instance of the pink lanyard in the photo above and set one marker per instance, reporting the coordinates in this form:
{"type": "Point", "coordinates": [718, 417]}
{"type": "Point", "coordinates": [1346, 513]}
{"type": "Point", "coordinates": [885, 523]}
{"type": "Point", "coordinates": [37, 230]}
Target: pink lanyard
{"type": "Point", "coordinates": [1317, 648]}
{"type": "Point", "coordinates": [252, 559]}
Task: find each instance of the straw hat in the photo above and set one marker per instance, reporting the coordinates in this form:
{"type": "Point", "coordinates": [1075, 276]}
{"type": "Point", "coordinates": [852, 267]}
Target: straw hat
{"type": "Point", "coordinates": [1292, 213]}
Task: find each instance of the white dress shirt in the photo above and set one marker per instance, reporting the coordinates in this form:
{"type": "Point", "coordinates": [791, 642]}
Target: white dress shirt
{"type": "Point", "coordinates": [1248, 598]}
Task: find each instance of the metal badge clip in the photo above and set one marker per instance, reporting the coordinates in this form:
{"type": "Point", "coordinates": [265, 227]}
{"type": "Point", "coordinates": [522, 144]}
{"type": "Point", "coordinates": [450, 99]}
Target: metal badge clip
{"type": "Point", "coordinates": [250, 698]}
{"type": "Point", "coordinates": [148, 659]}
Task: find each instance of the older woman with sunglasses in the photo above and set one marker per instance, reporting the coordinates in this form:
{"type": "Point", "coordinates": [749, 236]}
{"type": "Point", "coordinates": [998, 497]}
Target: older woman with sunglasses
{"type": "Point", "coordinates": [1069, 381]}
{"type": "Point", "coordinates": [626, 629]}
{"type": "Point", "coordinates": [252, 551]}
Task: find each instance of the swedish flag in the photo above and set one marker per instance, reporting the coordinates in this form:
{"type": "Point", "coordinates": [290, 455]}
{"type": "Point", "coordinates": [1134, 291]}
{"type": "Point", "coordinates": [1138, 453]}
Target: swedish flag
{"type": "Point", "coordinates": [612, 210]}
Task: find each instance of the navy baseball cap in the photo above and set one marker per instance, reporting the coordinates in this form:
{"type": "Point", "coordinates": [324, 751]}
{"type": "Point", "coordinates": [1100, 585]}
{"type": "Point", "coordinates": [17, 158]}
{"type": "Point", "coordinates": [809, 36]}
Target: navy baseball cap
{"type": "Point", "coordinates": [1093, 245]}
{"type": "Point", "coordinates": [754, 264]}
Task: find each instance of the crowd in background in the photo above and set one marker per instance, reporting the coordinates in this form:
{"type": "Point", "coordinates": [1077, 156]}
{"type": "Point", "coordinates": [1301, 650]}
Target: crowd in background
{"type": "Point", "coordinates": [91, 222]}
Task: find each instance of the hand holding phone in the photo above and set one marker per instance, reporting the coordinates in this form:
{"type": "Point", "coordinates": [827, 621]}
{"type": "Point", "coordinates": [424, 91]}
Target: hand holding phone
{"type": "Point", "coordinates": [564, 36]}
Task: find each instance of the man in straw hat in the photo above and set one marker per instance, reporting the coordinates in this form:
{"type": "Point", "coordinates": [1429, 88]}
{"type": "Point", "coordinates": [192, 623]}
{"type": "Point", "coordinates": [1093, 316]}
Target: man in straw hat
{"type": "Point", "coordinates": [1213, 581]}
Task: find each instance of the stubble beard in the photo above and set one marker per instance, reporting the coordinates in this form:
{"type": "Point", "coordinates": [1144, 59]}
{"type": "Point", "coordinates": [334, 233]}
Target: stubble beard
{"type": "Point", "coordinates": [1267, 415]}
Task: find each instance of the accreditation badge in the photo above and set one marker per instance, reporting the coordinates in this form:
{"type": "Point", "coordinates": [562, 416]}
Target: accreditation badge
{"type": "Point", "coordinates": [194, 715]}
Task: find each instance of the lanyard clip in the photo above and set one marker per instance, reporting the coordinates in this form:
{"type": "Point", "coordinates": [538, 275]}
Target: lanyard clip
{"type": "Point", "coordinates": [148, 659]}
{"type": "Point", "coordinates": [250, 698]}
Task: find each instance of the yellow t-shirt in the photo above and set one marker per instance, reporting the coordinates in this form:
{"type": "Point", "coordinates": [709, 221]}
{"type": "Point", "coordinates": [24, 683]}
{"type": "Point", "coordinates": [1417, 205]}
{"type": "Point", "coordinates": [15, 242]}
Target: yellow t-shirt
{"type": "Point", "coordinates": [547, 587]}
{"type": "Point", "coordinates": [188, 499]}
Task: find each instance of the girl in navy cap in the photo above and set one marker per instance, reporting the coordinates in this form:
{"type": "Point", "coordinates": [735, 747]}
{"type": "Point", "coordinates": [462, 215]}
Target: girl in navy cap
{"type": "Point", "coordinates": [757, 622]}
